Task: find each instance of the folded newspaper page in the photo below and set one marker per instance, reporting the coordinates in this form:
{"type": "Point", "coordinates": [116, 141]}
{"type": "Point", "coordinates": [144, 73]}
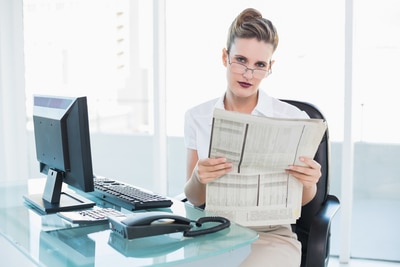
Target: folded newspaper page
{"type": "Point", "coordinates": [258, 191]}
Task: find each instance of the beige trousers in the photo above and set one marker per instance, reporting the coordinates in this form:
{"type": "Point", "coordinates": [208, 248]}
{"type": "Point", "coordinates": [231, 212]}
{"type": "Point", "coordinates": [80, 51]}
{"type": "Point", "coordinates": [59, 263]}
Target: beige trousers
{"type": "Point", "coordinates": [277, 246]}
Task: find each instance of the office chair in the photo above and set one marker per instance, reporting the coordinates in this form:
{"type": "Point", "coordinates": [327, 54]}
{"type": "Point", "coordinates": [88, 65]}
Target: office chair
{"type": "Point", "coordinates": [314, 226]}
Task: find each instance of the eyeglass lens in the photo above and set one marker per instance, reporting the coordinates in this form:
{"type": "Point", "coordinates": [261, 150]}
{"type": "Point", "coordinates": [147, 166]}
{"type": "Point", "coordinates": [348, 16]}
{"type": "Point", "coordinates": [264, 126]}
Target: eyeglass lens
{"type": "Point", "coordinates": [242, 69]}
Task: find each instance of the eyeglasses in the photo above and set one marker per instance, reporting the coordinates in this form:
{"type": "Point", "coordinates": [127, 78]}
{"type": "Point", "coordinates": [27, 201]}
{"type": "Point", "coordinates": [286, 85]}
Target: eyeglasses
{"type": "Point", "coordinates": [240, 68]}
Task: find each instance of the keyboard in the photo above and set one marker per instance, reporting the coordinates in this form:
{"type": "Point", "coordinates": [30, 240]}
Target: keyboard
{"type": "Point", "coordinates": [90, 216]}
{"type": "Point", "coordinates": [128, 196]}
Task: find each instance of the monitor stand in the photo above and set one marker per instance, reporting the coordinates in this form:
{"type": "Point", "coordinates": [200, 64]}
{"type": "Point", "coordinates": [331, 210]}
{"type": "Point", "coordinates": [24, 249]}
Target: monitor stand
{"type": "Point", "coordinates": [53, 200]}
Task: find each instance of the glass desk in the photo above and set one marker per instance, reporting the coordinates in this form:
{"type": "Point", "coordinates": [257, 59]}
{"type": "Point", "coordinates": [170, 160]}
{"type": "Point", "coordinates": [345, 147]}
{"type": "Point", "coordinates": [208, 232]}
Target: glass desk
{"type": "Point", "coordinates": [48, 240]}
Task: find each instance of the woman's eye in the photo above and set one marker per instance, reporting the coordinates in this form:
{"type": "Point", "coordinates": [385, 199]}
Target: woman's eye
{"type": "Point", "coordinates": [261, 65]}
{"type": "Point", "coordinates": [241, 59]}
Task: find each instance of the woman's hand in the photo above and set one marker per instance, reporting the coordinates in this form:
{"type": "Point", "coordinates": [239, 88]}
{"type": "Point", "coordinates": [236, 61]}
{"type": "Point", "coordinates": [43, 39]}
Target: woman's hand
{"type": "Point", "coordinates": [210, 169]}
{"type": "Point", "coordinates": [308, 175]}
{"type": "Point", "coordinates": [201, 172]}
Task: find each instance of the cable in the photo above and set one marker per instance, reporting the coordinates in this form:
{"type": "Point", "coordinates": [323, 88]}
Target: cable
{"type": "Point", "coordinates": [223, 223]}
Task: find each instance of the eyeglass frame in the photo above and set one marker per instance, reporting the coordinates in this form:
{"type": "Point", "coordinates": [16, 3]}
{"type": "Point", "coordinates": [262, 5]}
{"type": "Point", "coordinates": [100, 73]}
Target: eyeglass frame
{"type": "Point", "coordinates": [267, 71]}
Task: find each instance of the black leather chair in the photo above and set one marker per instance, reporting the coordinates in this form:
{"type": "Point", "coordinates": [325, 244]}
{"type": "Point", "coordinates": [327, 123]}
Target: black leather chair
{"type": "Point", "coordinates": [313, 228]}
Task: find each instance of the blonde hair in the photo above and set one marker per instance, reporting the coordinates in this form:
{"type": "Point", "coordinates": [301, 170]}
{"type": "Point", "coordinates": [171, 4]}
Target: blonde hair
{"type": "Point", "coordinates": [250, 24]}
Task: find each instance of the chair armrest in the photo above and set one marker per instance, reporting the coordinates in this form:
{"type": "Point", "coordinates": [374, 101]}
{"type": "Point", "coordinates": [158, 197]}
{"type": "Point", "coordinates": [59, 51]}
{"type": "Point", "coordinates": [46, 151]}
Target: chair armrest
{"type": "Point", "coordinates": [320, 231]}
{"type": "Point", "coordinates": [181, 197]}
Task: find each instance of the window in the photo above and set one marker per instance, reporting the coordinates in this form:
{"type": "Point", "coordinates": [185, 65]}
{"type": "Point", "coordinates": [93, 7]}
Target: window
{"type": "Point", "coordinates": [376, 135]}
{"type": "Point", "coordinates": [91, 47]}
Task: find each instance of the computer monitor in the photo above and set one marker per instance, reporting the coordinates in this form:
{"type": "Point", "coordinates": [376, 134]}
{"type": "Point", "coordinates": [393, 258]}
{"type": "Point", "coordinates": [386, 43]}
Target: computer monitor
{"type": "Point", "coordinates": [61, 129]}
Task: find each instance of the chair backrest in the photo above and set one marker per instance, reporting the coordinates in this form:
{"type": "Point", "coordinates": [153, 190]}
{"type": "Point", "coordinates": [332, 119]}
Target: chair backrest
{"type": "Point", "coordinates": [303, 224]}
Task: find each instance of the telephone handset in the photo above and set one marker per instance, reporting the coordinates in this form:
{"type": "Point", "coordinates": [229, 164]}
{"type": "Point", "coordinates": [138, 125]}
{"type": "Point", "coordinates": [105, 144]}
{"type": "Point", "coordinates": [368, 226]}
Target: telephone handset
{"type": "Point", "coordinates": [157, 222]}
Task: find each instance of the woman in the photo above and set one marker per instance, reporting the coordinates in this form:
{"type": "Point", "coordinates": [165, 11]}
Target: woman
{"type": "Point", "coordinates": [247, 57]}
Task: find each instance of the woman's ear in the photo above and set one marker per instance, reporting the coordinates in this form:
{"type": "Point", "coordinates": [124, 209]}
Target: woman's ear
{"type": "Point", "coordinates": [270, 66]}
{"type": "Point", "coordinates": [225, 57]}
{"type": "Point", "coordinates": [272, 63]}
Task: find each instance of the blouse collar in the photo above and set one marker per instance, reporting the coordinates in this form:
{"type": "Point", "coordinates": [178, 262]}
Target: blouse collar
{"type": "Point", "coordinates": [263, 107]}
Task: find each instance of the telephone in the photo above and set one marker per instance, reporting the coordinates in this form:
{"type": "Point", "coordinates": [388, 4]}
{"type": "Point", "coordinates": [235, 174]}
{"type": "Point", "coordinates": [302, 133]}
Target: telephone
{"type": "Point", "coordinates": [151, 223]}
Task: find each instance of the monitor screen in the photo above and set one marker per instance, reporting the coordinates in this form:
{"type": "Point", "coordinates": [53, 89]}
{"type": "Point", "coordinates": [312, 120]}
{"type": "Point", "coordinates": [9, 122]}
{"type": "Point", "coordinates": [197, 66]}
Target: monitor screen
{"type": "Point", "coordinates": [62, 139]}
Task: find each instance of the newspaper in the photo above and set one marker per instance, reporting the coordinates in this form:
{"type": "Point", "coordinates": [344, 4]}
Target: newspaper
{"type": "Point", "coordinates": [258, 191]}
